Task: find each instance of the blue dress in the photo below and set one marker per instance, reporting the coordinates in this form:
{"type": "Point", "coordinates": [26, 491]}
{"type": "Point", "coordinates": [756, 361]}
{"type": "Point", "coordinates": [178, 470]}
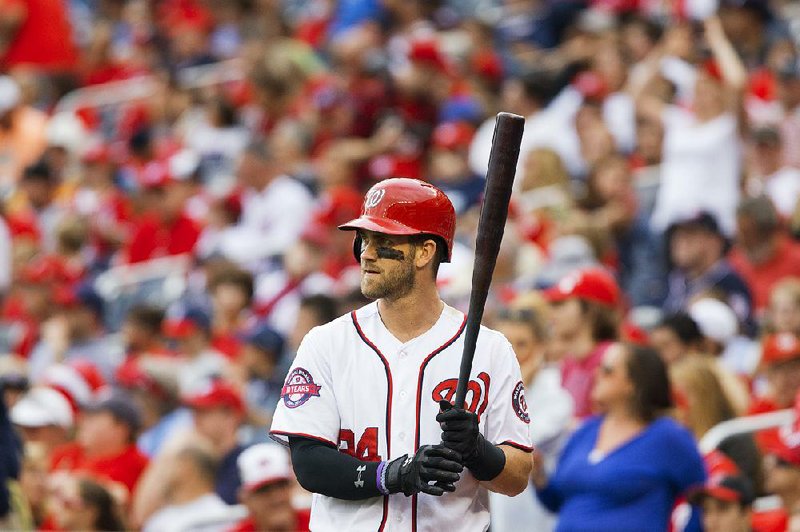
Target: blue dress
{"type": "Point", "coordinates": [634, 487]}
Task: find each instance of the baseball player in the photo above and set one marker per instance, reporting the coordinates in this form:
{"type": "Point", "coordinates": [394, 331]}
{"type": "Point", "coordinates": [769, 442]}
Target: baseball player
{"type": "Point", "coordinates": [366, 405]}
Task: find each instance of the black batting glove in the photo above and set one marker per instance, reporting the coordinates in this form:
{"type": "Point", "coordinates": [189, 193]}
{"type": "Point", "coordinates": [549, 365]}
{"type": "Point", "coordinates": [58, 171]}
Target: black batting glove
{"type": "Point", "coordinates": [461, 433]}
{"type": "Point", "coordinates": [431, 463]}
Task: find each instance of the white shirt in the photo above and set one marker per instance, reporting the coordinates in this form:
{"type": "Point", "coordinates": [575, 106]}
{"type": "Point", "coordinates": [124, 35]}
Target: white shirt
{"type": "Point", "coordinates": [207, 513]}
{"type": "Point", "coordinates": [355, 385]}
{"type": "Point", "coordinates": [783, 188]}
{"type": "Point", "coordinates": [700, 170]}
{"type": "Point", "coordinates": [551, 409]}
{"type": "Point", "coordinates": [272, 219]}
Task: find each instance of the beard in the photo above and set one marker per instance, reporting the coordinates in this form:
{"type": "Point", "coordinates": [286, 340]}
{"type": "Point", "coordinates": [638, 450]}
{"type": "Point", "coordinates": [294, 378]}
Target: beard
{"type": "Point", "coordinates": [390, 285]}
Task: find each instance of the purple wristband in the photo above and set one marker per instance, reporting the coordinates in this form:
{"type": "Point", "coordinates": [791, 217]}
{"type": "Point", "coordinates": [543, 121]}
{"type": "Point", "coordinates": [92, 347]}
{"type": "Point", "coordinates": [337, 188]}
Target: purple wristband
{"type": "Point", "coordinates": [379, 480]}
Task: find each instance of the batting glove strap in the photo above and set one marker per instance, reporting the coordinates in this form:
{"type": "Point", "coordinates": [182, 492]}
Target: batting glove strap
{"type": "Point", "coordinates": [431, 463]}
{"type": "Point", "coordinates": [488, 462]}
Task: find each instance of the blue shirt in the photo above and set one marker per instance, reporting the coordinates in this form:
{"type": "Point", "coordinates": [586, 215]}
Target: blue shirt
{"type": "Point", "coordinates": [151, 440]}
{"type": "Point", "coordinates": [634, 487]}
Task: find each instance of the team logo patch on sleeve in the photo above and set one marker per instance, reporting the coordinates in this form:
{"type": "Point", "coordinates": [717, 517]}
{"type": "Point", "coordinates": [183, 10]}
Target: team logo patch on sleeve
{"type": "Point", "coordinates": [299, 388]}
{"type": "Point", "coordinates": [519, 404]}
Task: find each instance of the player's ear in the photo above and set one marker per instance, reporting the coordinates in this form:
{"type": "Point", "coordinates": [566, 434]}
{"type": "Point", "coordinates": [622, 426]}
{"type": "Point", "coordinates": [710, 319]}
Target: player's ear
{"type": "Point", "coordinates": [425, 252]}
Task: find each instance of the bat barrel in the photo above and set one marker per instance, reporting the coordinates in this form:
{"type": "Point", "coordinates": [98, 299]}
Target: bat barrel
{"type": "Point", "coordinates": [494, 212]}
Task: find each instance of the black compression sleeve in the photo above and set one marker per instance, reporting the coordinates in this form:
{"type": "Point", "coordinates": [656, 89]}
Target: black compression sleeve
{"type": "Point", "coordinates": [321, 468]}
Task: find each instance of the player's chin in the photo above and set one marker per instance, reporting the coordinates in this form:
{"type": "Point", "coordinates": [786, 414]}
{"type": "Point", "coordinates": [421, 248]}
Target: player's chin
{"type": "Point", "coordinates": [371, 289]}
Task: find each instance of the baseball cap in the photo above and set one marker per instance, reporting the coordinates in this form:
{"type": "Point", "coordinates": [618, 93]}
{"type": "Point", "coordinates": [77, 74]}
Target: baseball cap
{"type": "Point", "coordinates": [191, 320]}
{"type": "Point", "coordinates": [715, 319]}
{"type": "Point", "coordinates": [729, 488]}
{"type": "Point", "coordinates": [453, 135]}
{"type": "Point", "coordinates": [215, 393]}
{"type": "Point", "coordinates": [118, 404]}
{"type": "Point", "coordinates": [780, 347]}
{"type": "Point", "coordinates": [42, 406]}
{"type": "Point", "coordinates": [263, 464]}
{"type": "Point", "coordinates": [700, 220]}
{"type": "Point", "coordinates": [591, 284]}
{"type": "Point", "coordinates": [265, 338]}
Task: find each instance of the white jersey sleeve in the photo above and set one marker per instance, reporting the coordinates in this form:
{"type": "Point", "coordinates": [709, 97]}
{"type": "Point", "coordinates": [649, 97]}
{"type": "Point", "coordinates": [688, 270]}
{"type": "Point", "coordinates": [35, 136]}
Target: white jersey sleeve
{"type": "Point", "coordinates": [507, 419]}
{"type": "Point", "coordinates": [307, 406]}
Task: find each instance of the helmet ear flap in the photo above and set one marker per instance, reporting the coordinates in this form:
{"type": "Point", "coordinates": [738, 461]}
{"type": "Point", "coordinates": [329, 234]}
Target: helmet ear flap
{"type": "Point", "coordinates": [357, 247]}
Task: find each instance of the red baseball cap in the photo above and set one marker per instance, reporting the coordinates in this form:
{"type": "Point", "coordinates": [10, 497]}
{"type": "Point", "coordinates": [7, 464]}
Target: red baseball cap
{"type": "Point", "coordinates": [217, 393]}
{"type": "Point", "coordinates": [780, 347]}
{"type": "Point", "coordinates": [591, 284]}
{"type": "Point", "coordinates": [727, 488]}
{"type": "Point", "coordinates": [453, 135]}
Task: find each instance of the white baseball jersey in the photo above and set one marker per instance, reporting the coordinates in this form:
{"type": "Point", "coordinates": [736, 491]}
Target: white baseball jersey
{"type": "Point", "coordinates": [355, 386]}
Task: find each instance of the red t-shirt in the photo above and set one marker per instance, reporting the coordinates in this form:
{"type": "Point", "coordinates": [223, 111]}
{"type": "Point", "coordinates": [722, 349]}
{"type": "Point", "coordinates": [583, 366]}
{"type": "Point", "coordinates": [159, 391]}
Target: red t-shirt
{"type": "Point", "coordinates": [577, 377]}
{"type": "Point", "coordinates": [770, 521]}
{"type": "Point", "coordinates": [44, 38]}
{"type": "Point", "coordinates": [152, 238]}
{"type": "Point", "coordinates": [762, 277]}
{"type": "Point", "coordinates": [125, 467]}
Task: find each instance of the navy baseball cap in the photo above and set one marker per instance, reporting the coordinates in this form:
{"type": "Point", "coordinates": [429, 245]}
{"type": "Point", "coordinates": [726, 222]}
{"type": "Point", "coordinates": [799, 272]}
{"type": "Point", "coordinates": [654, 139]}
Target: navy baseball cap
{"type": "Point", "coordinates": [265, 338]}
{"type": "Point", "coordinates": [191, 320]}
{"type": "Point", "coordinates": [701, 220]}
{"type": "Point", "coordinates": [727, 488]}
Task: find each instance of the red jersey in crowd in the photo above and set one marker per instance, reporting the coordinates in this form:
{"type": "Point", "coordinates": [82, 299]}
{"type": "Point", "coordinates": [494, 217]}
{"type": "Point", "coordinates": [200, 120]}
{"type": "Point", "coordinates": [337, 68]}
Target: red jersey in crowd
{"type": "Point", "coordinates": [125, 468]}
{"type": "Point", "coordinates": [43, 39]}
{"type": "Point", "coordinates": [760, 278]}
{"type": "Point", "coordinates": [153, 238]}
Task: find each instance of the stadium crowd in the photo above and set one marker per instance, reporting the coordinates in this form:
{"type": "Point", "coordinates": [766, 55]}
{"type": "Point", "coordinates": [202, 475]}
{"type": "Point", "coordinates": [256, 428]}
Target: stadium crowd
{"type": "Point", "coordinates": [169, 235]}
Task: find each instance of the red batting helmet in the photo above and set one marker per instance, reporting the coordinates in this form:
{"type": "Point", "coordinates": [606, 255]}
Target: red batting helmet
{"type": "Point", "coordinates": [403, 206]}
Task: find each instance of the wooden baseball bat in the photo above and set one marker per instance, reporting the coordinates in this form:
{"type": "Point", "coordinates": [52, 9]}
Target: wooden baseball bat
{"type": "Point", "coordinates": [494, 211]}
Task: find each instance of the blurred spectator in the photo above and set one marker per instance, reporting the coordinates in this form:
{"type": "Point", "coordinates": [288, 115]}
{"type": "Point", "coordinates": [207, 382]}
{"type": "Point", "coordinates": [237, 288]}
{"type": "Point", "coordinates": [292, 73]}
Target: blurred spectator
{"type": "Point", "coordinates": [141, 331]}
{"type": "Point", "coordinates": [275, 209]}
{"type": "Point", "coordinates": [697, 253]}
{"type": "Point", "coordinates": [784, 306]}
{"type": "Point", "coordinates": [191, 501]}
{"type": "Point", "coordinates": [37, 202]}
{"type": "Point", "coordinates": [164, 228]}
{"type": "Point", "coordinates": [584, 323]}
{"type": "Point", "coordinates": [782, 476]}
{"type": "Point", "coordinates": [152, 383]}
{"type": "Point", "coordinates": [763, 254]}
{"type": "Point", "coordinates": [104, 443]}
{"type": "Point", "coordinates": [780, 367]}
{"type": "Point", "coordinates": [262, 361]}
{"type": "Point", "coordinates": [190, 329]}
{"type": "Point", "coordinates": [726, 502]}
{"type": "Point", "coordinates": [705, 404]}
{"type": "Point", "coordinates": [524, 327]}
{"type": "Point", "coordinates": [218, 411]}
{"type": "Point", "coordinates": [595, 480]}
{"type": "Point", "coordinates": [778, 182]}
{"type": "Point", "coordinates": [317, 309]}
{"type": "Point", "coordinates": [267, 491]}
{"type": "Point", "coordinates": [80, 503]}
{"type": "Point", "coordinates": [676, 336]}
{"type": "Point", "coordinates": [700, 145]}
{"type": "Point", "coordinates": [22, 132]}
{"type": "Point", "coordinates": [43, 416]}
{"type": "Point", "coordinates": [231, 290]}
{"type": "Point", "coordinates": [76, 332]}
{"type": "Point", "coordinates": [33, 482]}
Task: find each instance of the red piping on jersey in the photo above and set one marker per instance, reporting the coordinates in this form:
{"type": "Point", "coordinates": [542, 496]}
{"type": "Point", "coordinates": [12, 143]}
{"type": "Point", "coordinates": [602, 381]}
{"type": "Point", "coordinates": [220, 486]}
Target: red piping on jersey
{"type": "Point", "coordinates": [419, 405]}
{"type": "Point", "coordinates": [388, 405]}
{"type": "Point", "coordinates": [518, 446]}
{"type": "Point", "coordinates": [302, 435]}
